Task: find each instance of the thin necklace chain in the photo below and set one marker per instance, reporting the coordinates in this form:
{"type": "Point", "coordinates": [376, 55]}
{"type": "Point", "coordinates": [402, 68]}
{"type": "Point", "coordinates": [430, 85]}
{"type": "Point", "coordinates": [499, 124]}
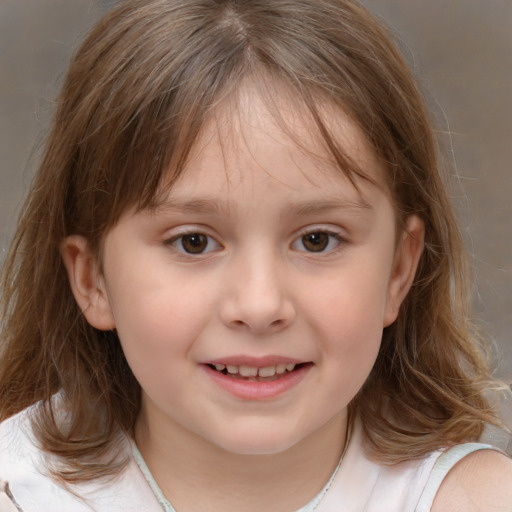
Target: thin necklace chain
{"type": "Point", "coordinates": [167, 507]}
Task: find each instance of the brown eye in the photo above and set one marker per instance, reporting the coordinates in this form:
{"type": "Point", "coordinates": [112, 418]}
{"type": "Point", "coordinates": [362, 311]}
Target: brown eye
{"type": "Point", "coordinates": [195, 243]}
{"type": "Point", "coordinates": [319, 242]}
{"type": "Point", "coordinates": [316, 242]}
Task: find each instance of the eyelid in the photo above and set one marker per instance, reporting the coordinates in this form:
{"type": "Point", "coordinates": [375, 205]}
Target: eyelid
{"type": "Point", "coordinates": [189, 229]}
{"type": "Point", "coordinates": [171, 240]}
{"type": "Point", "coordinates": [337, 234]}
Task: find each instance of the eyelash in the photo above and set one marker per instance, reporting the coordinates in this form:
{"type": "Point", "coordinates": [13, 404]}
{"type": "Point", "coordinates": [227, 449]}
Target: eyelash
{"type": "Point", "coordinates": [177, 242]}
{"type": "Point", "coordinates": [332, 236]}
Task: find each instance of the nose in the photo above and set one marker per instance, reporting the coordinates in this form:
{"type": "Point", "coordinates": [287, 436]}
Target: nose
{"type": "Point", "coordinates": [257, 295]}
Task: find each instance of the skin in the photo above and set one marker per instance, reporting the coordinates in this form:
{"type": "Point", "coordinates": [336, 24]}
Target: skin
{"type": "Point", "coordinates": [478, 483]}
{"type": "Point", "coordinates": [254, 290]}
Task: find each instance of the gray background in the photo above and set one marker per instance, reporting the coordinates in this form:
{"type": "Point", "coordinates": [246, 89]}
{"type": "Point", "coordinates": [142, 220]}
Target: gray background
{"type": "Point", "coordinates": [460, 49]}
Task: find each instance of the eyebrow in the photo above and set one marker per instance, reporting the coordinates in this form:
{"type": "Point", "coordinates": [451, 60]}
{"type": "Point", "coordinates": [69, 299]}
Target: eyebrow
{"type": "Point", "coordinates": [207, 205]}
{"type": "Point", "coordinates": [301, 208]}
{"type": "Point", "coordinates": [321, 206]}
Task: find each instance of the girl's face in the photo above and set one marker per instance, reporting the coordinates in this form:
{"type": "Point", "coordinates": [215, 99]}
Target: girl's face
{"type": "Point", "coordinates": [250, 305]}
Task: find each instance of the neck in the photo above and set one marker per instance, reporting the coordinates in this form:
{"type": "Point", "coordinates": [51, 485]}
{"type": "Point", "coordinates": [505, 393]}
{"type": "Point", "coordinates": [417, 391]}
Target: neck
{"type": "Point", "coordinates": [194, 474]}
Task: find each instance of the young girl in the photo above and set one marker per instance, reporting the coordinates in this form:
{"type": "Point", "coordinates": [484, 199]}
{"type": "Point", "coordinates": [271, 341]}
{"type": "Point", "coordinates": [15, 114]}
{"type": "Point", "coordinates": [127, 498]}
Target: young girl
{"type": "Point", "coordinates": [237, 283]}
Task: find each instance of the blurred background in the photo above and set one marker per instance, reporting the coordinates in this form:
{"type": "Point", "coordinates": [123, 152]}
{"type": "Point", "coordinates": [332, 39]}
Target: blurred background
{"type": "Point", "coordinates": [461, 50]}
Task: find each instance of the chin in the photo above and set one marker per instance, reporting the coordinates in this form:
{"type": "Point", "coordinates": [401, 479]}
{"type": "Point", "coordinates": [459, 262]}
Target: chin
{"type": "Point", "coordinates": [256, 441]}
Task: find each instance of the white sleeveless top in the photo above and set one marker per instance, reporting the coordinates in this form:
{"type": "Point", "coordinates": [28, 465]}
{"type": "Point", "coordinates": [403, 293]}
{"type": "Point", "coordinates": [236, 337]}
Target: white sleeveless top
{"type": "Point", "coordinates": [358, 484]}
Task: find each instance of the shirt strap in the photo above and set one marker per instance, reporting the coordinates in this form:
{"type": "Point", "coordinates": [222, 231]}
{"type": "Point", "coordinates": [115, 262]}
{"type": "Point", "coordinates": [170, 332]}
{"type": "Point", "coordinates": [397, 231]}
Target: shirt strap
{"type": "Point", "coordinates": [159, 495]}
{"type": "Point", "coordinates": [441, 468]}
{"type": "Point", "coordinates": [7, 501]}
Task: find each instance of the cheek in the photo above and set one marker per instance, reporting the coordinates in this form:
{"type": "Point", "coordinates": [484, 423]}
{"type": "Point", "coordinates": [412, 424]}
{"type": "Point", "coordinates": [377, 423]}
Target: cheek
{"type": "Point", "coordinates": [350, 300]}
{"type": "Point", "coordinates": [159, 318]}
{"type": "Point", "coordinates": [347, 316]}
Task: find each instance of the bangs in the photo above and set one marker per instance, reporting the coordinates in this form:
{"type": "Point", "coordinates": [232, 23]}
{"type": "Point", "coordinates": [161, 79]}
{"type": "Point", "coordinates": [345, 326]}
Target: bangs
{"type": "Point", "coordinates": [132, 124]}
{"type": "Point", "coordinates": [315, 127]}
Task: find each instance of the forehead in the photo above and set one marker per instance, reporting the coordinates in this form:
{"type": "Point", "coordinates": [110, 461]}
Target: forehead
{"type": "Point", "coordinates": [272, 134]}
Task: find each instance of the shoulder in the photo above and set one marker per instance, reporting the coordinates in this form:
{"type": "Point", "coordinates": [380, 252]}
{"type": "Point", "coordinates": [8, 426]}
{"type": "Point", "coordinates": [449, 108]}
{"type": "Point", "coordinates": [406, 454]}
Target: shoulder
{"type": "Point", "coordinates": [15, 436]}
{"type": "Point", "coordinates": [24, 468]}
{"type": "Point", "coordinates": [480, 482]}
{"type": "Point", "coordinates": [20, 459]}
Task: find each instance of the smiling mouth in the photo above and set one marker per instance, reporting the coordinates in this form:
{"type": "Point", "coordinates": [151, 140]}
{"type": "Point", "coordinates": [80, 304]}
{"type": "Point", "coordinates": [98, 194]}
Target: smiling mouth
{"type": "Point", "coordinates": [257, 374]}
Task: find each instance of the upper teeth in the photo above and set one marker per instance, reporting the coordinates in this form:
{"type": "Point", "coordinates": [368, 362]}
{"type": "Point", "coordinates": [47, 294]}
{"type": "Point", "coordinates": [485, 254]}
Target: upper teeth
{"type": "Point", "coordinates": [253, 371]}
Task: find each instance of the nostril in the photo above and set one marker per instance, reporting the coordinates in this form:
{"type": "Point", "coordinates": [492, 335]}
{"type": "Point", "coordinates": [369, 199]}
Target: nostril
{"type": "Point", "coordinates": [253, 326]}
{"type": "Point", "coordinates": [257, 316]}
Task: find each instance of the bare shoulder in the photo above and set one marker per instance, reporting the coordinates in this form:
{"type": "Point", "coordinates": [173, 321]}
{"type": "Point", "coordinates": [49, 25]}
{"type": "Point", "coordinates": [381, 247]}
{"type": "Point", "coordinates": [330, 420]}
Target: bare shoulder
{"type": "Point", "coordinates": [481, 482]}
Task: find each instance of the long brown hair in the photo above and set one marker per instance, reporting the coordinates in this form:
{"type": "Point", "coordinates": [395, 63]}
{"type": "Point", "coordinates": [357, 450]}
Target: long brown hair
{"type": "Point", "coordinates": [133, 103]}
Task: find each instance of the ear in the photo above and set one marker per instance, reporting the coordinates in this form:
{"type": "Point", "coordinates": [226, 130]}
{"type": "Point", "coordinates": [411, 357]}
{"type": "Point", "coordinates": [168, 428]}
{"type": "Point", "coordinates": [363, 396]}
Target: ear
{"type": "Point", "coordinates": [407, 257]}
{"type": "Point", "coordinates": [87, 285]}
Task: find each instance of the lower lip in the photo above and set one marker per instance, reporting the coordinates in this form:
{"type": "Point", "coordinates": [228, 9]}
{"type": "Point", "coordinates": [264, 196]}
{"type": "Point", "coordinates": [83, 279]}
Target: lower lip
{"type": "Point", "coordinates": [258, 390]}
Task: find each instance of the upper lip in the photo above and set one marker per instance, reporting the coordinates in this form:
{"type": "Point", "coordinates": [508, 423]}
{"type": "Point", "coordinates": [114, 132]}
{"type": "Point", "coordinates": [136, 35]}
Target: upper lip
{"type": "Point", "coordinates": [258, 362]}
